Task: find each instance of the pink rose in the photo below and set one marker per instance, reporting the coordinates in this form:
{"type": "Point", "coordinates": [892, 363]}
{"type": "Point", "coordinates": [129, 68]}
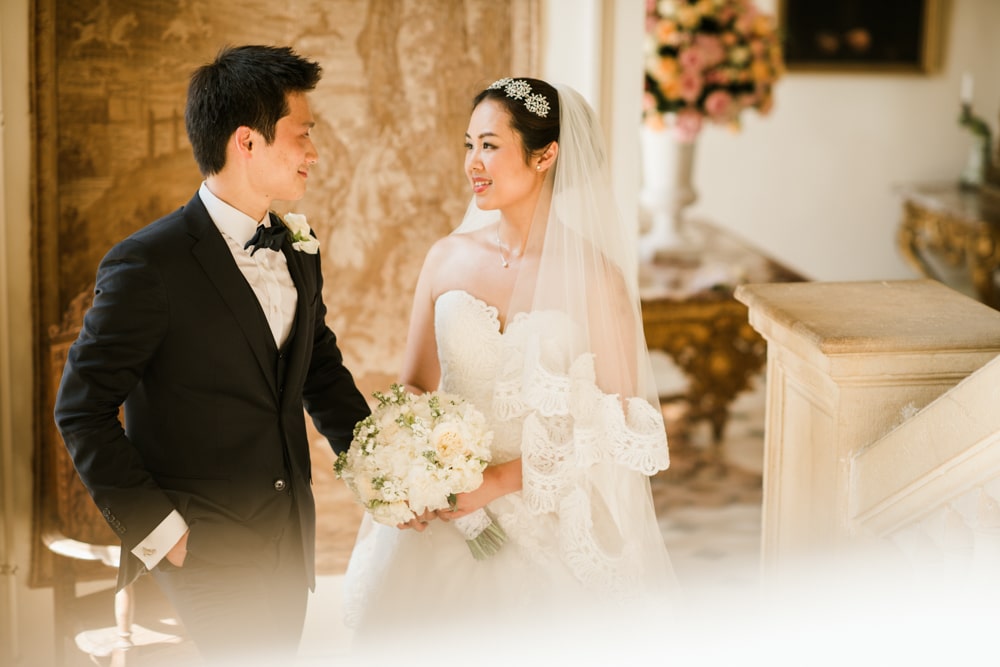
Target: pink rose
{"type": "Point", "coordinates": [687, 125]}
{"type": "Point", "coordinates": [745, 23]}
{"type": "Point", "coordinates": [718, 104]}
{"type": "Point", "coordinates": [691, 85]}
{"type": "Point", "coordinates": [718, 77]}
{"type": "Point", "coordinates": [691, 58]}
{"type": "Point", "coordinates": [712, 51]}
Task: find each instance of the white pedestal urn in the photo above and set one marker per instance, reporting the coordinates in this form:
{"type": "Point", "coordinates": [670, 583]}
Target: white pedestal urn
{"type": "Point", "coordinates": [666, 190]}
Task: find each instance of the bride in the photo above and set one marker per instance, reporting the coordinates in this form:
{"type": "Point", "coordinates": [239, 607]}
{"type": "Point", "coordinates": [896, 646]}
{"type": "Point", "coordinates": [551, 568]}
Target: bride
{"type": "Point", "coordinates": [530, 311]}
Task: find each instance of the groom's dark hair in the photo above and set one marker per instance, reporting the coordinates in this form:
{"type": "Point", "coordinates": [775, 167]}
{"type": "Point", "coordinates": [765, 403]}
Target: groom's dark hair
{"type": "Point", "coordinates": [243, 86]}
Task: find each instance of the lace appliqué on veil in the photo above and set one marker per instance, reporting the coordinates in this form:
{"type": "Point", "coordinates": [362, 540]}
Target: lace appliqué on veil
{"type": "Point", "coordinates": [569, 426]}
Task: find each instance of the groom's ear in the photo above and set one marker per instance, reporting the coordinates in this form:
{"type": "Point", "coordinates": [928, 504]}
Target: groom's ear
{"type": "Point", "coordinates": [243, 139]}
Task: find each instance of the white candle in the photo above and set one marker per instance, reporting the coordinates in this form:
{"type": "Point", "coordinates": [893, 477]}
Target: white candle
{"type": "Point", "coordinates": [967, 88]}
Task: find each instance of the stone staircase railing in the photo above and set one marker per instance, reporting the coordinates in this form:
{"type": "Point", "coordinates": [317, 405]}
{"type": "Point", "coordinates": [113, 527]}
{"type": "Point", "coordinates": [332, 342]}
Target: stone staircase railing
{"type": "Point", "coordinates": [878, 425]}
{"type": "Point", "coordinates": [932, 485]}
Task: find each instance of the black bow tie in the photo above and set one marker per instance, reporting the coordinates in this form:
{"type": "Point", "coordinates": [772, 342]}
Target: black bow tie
{"type": "Point", "coordinates": [266, 237]}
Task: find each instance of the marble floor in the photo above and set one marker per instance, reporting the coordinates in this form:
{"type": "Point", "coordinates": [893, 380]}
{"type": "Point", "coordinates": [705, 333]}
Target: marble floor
{"type": "Point", "coordinates": [709, 500]}
{"type": "Point", "coordinates": [708, 504]}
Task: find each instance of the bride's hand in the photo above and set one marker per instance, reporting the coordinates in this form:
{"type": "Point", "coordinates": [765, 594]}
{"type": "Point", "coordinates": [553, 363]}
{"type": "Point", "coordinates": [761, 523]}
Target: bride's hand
{"type": "Point", "coordinates": [466, 503]}
{"type": "Point", "coordinates": [498, 480]}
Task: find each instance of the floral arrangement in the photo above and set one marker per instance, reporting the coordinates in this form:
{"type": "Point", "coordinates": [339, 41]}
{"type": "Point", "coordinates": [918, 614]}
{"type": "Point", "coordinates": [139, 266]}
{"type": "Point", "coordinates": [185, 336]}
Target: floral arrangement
{"type": "Point", "coordinates": [298, 229]}
{"type": "Point", "coordinates": [707, 60]}
{"type": "Point", "coordinates": [413, 454]}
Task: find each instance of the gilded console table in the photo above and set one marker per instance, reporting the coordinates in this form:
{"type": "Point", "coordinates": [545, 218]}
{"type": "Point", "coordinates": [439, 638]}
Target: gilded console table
{"type": "Point", "coordinates": [689, 312]}
{"type": "Point", "coordinates": [952, 234]}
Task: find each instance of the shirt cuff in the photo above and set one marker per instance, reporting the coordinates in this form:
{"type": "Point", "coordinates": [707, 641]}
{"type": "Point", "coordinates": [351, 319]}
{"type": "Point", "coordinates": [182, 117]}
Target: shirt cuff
{"type": "Point", "coordinates": [163, 538]}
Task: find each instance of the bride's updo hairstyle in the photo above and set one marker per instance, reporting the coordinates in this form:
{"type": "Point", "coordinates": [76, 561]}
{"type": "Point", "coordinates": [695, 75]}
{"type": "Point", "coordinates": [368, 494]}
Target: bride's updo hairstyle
{"type": "Point", "coordinates": [533, 106]}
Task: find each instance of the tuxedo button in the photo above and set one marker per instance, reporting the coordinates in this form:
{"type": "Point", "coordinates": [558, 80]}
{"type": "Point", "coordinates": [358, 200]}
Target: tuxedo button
{"type": "Point", "coordinates": [280, 484]}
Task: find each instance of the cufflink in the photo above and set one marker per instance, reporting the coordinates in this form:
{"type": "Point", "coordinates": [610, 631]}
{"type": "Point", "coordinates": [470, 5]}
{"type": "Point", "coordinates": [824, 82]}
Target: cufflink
{"type": "Point", "coordinates": [147, 551]}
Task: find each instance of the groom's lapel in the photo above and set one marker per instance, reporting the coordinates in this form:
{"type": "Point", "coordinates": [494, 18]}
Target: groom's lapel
{"type": "Point", "coordinates": [211, 251]}
{"type": "Point", "coordinates": [303, 331]}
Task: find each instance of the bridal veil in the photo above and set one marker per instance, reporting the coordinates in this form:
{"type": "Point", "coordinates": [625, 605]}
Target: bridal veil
{"type": "Point", "coordinates": [576, 375]}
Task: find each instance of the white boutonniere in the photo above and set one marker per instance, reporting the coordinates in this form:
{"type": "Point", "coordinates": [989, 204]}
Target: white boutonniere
{"type": "Point", "coordinates": [298, 229]}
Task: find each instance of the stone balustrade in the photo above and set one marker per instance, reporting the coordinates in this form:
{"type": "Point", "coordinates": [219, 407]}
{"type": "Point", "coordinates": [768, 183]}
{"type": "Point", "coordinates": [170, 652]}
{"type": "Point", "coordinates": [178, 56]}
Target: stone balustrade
{"type": "Point", "coordinates": [931, 487]}
{"type": "Point", "coordinates": [846, 364]}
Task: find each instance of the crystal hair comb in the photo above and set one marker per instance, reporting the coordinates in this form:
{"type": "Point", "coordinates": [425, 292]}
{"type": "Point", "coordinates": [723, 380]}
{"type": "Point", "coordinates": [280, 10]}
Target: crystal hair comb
{"type": "Point", "coordinates": [519, 89]}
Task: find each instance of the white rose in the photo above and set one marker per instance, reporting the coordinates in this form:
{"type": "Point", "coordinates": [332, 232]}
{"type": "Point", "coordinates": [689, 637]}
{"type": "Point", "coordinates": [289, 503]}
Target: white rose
{"type": "Point", "coordinates": [302, 238]}
{"type": "Point", "coordinates": [392, 514]}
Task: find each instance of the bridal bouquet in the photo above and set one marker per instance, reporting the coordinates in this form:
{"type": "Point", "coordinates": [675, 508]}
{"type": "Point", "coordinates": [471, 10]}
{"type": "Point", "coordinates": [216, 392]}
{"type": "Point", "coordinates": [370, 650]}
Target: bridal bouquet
{"type": "Point", "coordinates": [413, 454]}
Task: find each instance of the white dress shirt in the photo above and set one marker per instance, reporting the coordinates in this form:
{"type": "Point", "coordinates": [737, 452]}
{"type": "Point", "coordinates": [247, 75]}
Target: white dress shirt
{"type": "Point", "coordinates": [266, 271]}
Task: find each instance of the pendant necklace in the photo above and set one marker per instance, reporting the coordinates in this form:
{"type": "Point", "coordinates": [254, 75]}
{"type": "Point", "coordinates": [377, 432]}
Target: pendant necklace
{"type": "Point", "coordinates": [504, 262]}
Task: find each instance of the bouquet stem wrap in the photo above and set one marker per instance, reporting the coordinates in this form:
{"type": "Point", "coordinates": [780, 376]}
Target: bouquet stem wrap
{"type": "Point", "coordinates": [483, 535]}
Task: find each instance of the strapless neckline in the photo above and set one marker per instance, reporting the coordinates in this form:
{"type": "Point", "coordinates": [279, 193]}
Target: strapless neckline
{"type": "Point", "coordinates": [491, 312]}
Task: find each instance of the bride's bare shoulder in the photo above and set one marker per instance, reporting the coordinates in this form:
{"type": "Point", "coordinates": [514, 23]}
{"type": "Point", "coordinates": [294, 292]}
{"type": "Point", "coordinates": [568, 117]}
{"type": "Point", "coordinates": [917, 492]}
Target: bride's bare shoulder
{"type": "Point", "coordinates": [452, 261]}
{"type": "Point", "coordinates": [454, 247]}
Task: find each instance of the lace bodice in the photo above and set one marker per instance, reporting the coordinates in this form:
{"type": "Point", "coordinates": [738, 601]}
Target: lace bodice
{"type": "Point", "coordinates": [469, 350]}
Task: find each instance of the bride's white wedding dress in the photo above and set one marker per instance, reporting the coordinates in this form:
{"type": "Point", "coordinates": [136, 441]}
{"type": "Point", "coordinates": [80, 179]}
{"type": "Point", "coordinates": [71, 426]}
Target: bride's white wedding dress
{"type": "Point", "coordinates": [581, 530]}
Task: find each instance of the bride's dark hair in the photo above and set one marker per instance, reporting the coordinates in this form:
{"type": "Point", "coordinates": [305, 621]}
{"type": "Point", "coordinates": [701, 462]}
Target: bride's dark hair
{"type": "Point", "coordinates": [536, 132]}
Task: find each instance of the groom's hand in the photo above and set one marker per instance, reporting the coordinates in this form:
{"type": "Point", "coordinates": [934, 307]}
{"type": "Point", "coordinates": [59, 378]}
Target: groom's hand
{"type": "Point", "coordinates": [418, 523]}
{"type": "Point", "coordinates": [178, 552]}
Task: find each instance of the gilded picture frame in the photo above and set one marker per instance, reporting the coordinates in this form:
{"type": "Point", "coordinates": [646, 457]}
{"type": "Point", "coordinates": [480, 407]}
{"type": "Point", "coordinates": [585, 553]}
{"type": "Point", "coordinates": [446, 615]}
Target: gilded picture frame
{"type": "Point", "coordinates": [861, 36]}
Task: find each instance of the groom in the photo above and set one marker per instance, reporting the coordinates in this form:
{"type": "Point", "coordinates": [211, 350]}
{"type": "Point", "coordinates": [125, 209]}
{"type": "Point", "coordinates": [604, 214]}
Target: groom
{"type": "Point", "coordinates": [208, 325]}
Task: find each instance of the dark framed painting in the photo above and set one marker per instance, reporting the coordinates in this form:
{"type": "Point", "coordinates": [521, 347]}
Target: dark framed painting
{"type": "Point", "coordinates": [862, 35]}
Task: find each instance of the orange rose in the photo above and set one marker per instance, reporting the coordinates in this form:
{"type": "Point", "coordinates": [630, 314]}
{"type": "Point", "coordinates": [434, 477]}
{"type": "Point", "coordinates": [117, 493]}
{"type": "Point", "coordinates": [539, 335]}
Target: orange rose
{"type": "Point", "coordinates": [760, 69]}
{"type": "Point", "coordinates": [762, 25]}
{"type": "Point", "coordinates": [654, 121]}
{"type": "Point", "coordinates": [665, 31]}
{"type": "Point", "coordinates": [665, 70]}
{"type": "Point", "coordinates": [688, 16]}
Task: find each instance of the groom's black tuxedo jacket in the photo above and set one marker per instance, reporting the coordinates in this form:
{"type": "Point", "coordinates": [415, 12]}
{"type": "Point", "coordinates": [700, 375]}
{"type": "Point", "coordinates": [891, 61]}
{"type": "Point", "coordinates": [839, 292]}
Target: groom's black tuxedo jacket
{"type": "Point", "coordinates": [214, 423]}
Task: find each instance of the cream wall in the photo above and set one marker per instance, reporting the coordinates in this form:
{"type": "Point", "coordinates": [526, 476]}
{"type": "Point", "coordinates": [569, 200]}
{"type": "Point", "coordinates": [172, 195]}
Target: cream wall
{"type": "Point", "coordinates": [813, 182]}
